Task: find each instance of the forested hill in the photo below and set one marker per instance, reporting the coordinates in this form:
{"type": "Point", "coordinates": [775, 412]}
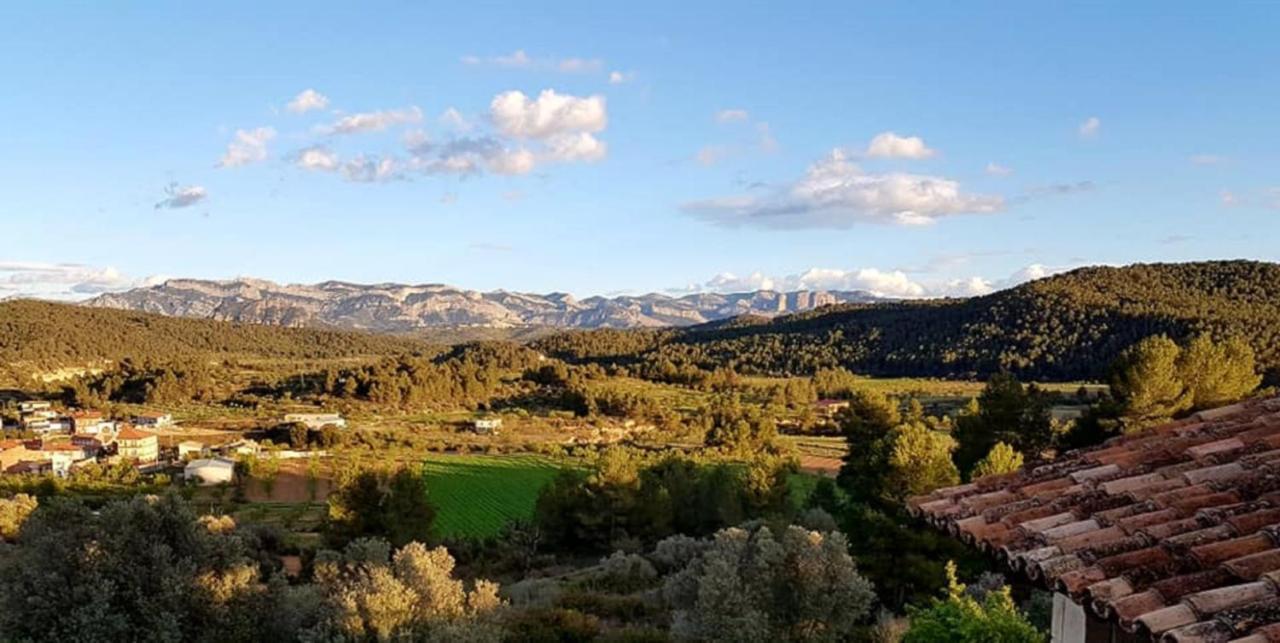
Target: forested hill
{"type": "Point", "coordinates": [1065, 327]}
{"type": "Point", "coordinates": [41, 335]}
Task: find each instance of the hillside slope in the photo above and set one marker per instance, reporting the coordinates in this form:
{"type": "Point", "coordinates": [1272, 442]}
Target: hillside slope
{"type": "Point", "coordinates": [1069, 326]}
{"type": "Point", "coordinates": [38, 335]}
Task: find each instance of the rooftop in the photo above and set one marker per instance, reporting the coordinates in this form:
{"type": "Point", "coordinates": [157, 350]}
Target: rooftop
{"type": "Point", "coordinates": [1173, 532]}
{"type": "Point", "coordinates": [130, 433]}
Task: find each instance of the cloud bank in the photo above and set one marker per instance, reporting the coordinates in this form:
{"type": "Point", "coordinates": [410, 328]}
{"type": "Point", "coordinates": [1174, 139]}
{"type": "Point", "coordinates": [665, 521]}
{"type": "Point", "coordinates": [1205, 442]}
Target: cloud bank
{"type": "Point", "coordinates": [836, 193]}
{"type": "Point", "coordinates": [895, 284]}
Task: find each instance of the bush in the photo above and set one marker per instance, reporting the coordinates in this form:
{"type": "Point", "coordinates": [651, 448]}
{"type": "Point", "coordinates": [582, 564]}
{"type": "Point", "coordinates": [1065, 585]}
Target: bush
{"type": "Point", "coordinates": [624, 573]}
{"type": "Point", "coordinates": [551, 626]}
{"type": "Point", "coordinates": [962, 618]}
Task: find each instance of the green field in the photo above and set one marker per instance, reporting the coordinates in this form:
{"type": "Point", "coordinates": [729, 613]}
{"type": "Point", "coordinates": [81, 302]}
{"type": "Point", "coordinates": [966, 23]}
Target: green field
{"type": "Point", "coordinates": [476, 495]}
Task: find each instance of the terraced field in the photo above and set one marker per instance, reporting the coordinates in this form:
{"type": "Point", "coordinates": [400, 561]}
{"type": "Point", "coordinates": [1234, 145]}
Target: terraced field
{"type": "Point", "coordinates": [476, 495]}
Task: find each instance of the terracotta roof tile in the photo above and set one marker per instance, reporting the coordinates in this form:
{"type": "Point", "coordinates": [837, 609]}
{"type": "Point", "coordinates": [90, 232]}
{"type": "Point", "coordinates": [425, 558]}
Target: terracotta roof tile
{"type": "Point", "coordinates": [1193, 503]}
{"type": "Point", "coordinates": [1226, 445]}
{"type": "Point", "coordinates": [1265, 634]}
{"type": "Point", "coordinates": [1132, 606]}
{"type": "Point", "coordinates": [1249, 618]}
{"type": "Point", "coordinates": [1253, 566]}
{"type": "Point", "coordinates": [1054, 484]}
{"type": "Point", "coordinates": [1174, 531]}
{"type": "Point", "coordinates": [1251, 522]}
{"type": "Point", "coordinates": [1222, 551]}
{"type": "Point", "coordinates": [1091, 538]}
{"type": "Point", "coordinates": [1215, 473]}
{"type": "Point", "coordinates": [1202, 632]}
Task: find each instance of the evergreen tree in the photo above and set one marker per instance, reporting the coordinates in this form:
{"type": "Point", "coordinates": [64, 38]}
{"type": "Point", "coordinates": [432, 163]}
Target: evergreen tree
{"type": "Point", "coordinates": [1002, 459]}
{"type": "Point", "coordinates": [1217, 373]}
{"type": "Point", "coordinates": [1008, 412]}
{"type": "Point", "coordinates": [920, 461]}
{"type": "Point", "coordinates": [1148, 383]}
{"type": "Point", "coordinates": [866, 424]}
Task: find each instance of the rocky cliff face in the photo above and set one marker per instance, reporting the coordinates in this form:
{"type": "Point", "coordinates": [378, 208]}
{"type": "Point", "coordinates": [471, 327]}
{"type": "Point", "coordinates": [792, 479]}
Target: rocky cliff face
{"type": "Point", "coordinates": [402, 308]}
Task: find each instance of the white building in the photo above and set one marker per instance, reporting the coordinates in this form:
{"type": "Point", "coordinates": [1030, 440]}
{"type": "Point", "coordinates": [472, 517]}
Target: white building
{"type": "Point", "coordinates": [33, 406]}
{"type": "Point", "coordinates": [90, 423]}
{"type": "Point", "coordinates": [487, 425]}
{"type": "Point", "coordinates": [191, 448]}
{"type": "Point", "coordinates": [210, 471]}
{"type": "Point", "coordinates": [153, 420]}
{"type": "Point", "coordinates": [316, 420]}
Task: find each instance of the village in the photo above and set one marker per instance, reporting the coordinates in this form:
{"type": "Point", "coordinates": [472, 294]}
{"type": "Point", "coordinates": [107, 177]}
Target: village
{"type": "Point", "coordinates": [58, 442]}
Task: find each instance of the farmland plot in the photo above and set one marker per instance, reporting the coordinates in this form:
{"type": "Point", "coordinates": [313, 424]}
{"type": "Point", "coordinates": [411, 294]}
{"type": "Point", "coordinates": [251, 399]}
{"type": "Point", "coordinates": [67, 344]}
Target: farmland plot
{"type": "Point", "coordinates": [476, 495]}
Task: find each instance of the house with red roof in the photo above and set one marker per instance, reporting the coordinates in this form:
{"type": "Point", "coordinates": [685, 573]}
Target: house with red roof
{"type": "Point", "coordinates": [140, 446]}
{"type": "Point", "coordinates": [1170, 534]}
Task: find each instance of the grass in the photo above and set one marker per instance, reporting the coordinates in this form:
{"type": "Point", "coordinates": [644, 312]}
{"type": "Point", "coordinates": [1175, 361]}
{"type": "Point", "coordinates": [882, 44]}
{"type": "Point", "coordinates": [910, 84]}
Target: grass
{"type": "Point", "coordinates": [475, 496]}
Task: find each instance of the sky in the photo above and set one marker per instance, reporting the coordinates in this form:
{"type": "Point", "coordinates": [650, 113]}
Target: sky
{"type": "Point", "coordinates": [908, 149]}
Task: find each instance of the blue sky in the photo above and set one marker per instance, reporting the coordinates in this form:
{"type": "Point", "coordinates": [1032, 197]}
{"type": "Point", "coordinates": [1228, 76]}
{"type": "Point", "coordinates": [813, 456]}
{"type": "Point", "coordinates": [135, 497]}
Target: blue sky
{"type": "Point", "coordinates": [912, 150]}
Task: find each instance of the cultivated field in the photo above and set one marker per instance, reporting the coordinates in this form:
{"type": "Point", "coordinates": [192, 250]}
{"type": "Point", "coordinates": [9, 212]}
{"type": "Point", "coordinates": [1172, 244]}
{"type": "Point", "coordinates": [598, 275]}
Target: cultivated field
{"type": "Point", "coordinates": [476, 495]}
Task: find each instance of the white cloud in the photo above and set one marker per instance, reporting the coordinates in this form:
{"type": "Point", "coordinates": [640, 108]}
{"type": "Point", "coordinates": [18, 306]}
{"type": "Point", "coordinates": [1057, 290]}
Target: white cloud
{"type": "Point", "coordinates": [372, 121]}
{"type": "Point", "coordinates": [1090, 127]}
{"type": "Point", "coordinates": [307, 100]}
{"type": "Point", "coordinates": [580, 65]}
{"type": "Point", "coordinates": [580, 146]}
{"type": "Point", "coordinates": [891, 146]}
{"type": "Point", "coordinates": [519, 59]}
{"type": "Point", "coordinates": [711, 154]}
{"type": "Point", "coordinates": [516, 115]}
{"type": "Point", "coordinates": [835, 193]}
{"type": "Point", "coordinates": [371, 169]}
{"type": "Point", "coordinates": [1208, 159]}
{"type": "Point", "coordinates": [182, 196]}
{"type": "Point", "coordinates": [732, 116]}
{"type": "Point", "coordinates": [1272, 199]}
{"type": "Point", "coordinates": [620, 77]}
{"type": "Point", "coordinates": [454, 120]}
{"type": "Point", "coordinates": [316, 158]}
{"type": "Point", "coordinates": [67, 281]}
{"type": "Point", "coordinates": [895, 284]}
{"type": "Point", "coordinates": [248, 146]}
{"type": "Point", "coordinates": [995, 169]}
{"type": "Point", "coordinates": [1227, 198]}
{"type": "Point", "coordinates": [517, 161]}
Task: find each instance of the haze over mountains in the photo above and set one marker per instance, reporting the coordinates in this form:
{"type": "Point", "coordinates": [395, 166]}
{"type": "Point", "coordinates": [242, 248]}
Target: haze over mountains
{"type": "Point", "coordinates": [404, 308]}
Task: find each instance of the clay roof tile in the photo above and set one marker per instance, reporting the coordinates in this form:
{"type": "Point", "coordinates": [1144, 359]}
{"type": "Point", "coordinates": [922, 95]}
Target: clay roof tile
{"type": "Point", "coordinates": [1225, 550]}
{"type": "Point", "coordinates": [1202, 632]}
{"type": "Point", "coordinates": [1038, 525]}
{"type": "Point", "coordinates": [1253, 566]}
{"type": "Point", "coordinates": [1253, 521]}
{"type": "Point", "coordinates": [1124, 485]}
{"type": "Point", "coordinates": [1120, 563]}
{"type": "Point", "coordinates": [1194, 503]}
{"type": "Point", "coordinates": [1216, 447]}
{"type": "Point", "coordinates": [1215, 473]}
{"type": "Point", "coordinates": [1170, 529]}
{"type": "Point", "coordinates": [1053, 484]}
{"type": "Point", "coordinates": [1212, 601]}
{"type": "Point", "coordinates": [1132, 606]}
{"type": "Point", "coordinates": [1091, 538]}
{"type": "Point", "coordinates": [1104, 471]}
{"type": "Point", "coordinates": [1133, 524]}
{"type": "Point", "coordinates": [1149, 492]}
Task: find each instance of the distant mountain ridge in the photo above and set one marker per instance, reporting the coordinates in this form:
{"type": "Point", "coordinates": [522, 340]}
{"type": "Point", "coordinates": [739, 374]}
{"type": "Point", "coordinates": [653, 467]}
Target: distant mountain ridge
{"type": "Point", "coordinates": [392, 307]}
{"type": "Point", "coordinates": [1069, 326]}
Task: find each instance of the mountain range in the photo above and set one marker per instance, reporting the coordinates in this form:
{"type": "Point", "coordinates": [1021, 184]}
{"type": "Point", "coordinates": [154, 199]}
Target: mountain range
{"type": "Point", "coordinates": [391, 307]}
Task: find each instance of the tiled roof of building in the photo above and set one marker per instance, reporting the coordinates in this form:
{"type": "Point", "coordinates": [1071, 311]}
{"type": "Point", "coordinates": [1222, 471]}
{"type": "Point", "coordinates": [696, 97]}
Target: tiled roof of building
{"type": "Point", "coordinates": [1173, 532]}
{"type": "Point", "coordinates": [130, 433]}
